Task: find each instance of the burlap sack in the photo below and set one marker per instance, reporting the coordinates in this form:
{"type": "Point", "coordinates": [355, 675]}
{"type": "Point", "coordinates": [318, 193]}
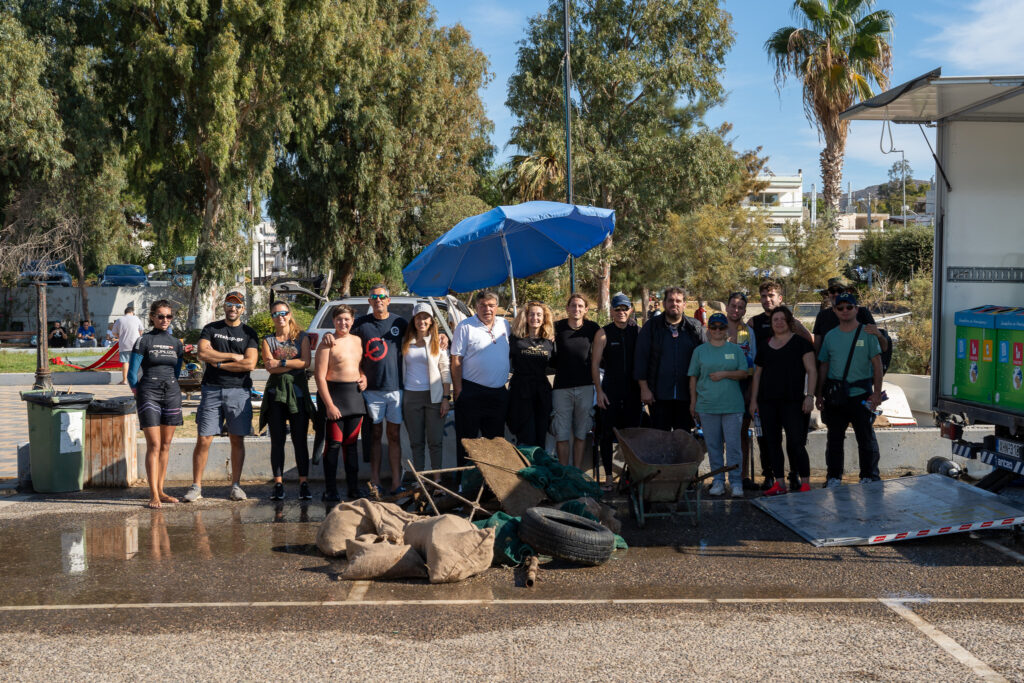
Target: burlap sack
{"type": "Point", "coordinates": [344, 523]}
{"type": "Point", "coordinates": [456, 556]}
{"type": "Point", "coordinates": [419, 533]}
{"type": "Point", "coordinates": [372, 557]}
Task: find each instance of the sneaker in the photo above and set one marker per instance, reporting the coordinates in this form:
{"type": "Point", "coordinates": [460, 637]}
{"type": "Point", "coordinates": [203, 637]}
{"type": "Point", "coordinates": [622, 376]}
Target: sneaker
{"type": "Point", "coordinates": [776, 490]}
{"type": "Point", "coordinates": [237, 493]}
{"type": "Point", "coordinates": [304, 492]}
{"type": "Point", "coordinates": [330, 497]}
{"type": "Point", "coordinates": [278, 493]}
{"type": "Point", "coordinates": [804, 487]}
{"type": "Point", "coordinates": [833, 483]}
{"type": "Point", "coordinates": [750, 485]}
{"type": "Point", "coordinates": [867, 480]}
{"type": "Point", "coordinates": [717, 489]}
{"type": "Point", "coordinates": [768, 483]}
{"type": "Point", "coordinates": [737, 491]}
{"type": "Point", "coordinates": [194, 493]}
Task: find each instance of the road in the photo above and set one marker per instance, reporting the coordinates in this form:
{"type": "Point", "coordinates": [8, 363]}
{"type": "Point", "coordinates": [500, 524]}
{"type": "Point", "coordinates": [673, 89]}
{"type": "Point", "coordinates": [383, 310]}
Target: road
{"type": "Point", "coordinates": [92, 586]}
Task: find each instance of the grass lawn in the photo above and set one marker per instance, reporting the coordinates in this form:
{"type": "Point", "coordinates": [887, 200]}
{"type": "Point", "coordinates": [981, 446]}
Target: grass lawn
{"type": "Point", "coordinates": [16, 361]}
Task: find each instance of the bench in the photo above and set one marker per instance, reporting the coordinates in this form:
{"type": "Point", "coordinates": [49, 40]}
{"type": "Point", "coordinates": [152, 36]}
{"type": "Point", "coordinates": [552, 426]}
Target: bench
{"type": "Point", "coordinates": [23, 338]}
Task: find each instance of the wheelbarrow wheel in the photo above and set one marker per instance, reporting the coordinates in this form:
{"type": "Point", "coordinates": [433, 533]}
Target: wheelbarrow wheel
{"type": "Point", "coordinates": [566, 536]}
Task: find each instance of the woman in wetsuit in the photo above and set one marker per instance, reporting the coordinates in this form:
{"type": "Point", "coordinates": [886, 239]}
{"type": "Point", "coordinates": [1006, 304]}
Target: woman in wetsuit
{"type": "Point", "coordinates": [530, 350]}
{"type": "Point", "coordinates": [286, 357]}
{"type": "Point", "coordinates": [339, 382]}
{"type": "Point", "coordinates": [153, 376]}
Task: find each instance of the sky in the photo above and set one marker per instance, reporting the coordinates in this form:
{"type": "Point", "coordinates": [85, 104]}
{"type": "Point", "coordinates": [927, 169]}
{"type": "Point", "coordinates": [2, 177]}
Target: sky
{"type": "Point", "coordinates": [964, 37]}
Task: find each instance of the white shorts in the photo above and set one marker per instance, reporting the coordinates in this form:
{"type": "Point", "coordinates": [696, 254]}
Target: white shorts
{"type": "Point", "coordinates": [384, 405]}
{"type": "Point", "coordinates": [573, 412]}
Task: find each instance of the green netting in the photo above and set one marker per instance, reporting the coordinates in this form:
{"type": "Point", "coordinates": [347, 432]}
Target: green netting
{"type": "Point", "coordinates": [575, 507]}
{"type": "Point", "coordinates": [558, 482]}
{"type": "Point", "coordinates": [508, 549]}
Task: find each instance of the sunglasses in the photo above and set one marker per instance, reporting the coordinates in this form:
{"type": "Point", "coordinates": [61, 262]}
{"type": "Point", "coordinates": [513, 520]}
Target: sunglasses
{"type": "Point", "coordinates": [717, 326]}
{"type": "Point", "coordinates": [378, 296]}
{"type": "Point", "coordinates": [278, 314]}
{"type": "Point", "coordinates": [163, 317]}
{"type": "Point", "coordinates": [229, 305]}
{"type": "Point", "coordinates": [836, 290]}
{"type": "Point", "coordinates": [843, 307]}
{"type": "Point", "coordinates": [621, 309]}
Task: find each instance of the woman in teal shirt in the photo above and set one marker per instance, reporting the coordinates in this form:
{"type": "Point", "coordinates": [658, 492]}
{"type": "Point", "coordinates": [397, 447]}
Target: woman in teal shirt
{"type": "Point", "coordinates": [716, 370]}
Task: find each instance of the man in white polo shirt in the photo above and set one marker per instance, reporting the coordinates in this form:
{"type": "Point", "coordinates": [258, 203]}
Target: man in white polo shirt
{"type": "Point", "coordinates": [480, 369]}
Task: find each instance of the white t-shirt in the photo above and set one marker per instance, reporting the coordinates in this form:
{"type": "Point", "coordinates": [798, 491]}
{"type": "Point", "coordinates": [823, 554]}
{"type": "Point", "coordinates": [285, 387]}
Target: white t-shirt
{"type": "Point", "coordinates": [417, 375]}
{"type": "Point", "coordinates": [128, 329]}
{"type": "Point", "coordinates": [484, 352]}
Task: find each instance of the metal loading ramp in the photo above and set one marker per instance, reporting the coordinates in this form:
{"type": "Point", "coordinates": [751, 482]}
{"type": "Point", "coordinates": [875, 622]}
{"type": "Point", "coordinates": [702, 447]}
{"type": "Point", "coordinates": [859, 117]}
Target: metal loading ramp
{"type": "Point", "coordinates": [892, 510]}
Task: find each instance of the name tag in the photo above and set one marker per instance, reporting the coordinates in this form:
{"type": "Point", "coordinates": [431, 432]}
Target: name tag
{"type": "Point", "coordinates": [860, 342]}
{"type": "Point", "coordinates": [730, 356]}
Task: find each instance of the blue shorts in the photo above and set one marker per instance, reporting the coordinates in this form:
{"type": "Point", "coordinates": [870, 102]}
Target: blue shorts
{"type": "Point", "coordinates": [224, 409]}
{"type": "Point", "coordinates": [384, 405]}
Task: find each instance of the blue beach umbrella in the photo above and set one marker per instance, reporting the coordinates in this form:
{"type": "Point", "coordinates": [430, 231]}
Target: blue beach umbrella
{"type": "Point", "coordinates": [507, 242]}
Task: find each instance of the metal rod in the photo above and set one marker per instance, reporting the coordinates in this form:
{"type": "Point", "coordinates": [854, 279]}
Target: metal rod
{"type": "Point", "coordinates": [568, 139]}
{"type": "Point", "coordinates": [508, 263]}
{"type": "Point", "coordinates": [423, 487]}
{"type": "Point", "coordinates": [532, 563]}
{"type": "Point", "coordinates": [43, 379]}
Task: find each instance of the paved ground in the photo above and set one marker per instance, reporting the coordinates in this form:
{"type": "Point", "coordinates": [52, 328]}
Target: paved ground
{"type": "Point", "coordinates": [93, 586]}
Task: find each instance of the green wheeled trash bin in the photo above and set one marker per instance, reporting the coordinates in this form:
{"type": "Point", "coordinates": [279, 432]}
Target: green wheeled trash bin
{"type": "Point", "coordinates": [56, 436]}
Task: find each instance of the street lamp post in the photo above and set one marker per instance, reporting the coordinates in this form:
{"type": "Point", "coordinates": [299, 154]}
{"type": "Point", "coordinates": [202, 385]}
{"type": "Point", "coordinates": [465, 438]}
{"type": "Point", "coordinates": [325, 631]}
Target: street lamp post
{"type": "Point", "coordinates": [43, 379]}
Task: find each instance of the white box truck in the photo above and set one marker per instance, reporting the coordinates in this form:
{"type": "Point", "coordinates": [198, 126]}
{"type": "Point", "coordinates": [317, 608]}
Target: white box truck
{"type": "Point", "coordinates": [979, 246]}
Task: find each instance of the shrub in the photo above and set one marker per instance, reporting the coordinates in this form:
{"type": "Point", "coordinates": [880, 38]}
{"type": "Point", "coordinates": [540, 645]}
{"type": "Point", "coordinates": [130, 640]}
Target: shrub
{"type": "Point", "coordinates": [913, 348]}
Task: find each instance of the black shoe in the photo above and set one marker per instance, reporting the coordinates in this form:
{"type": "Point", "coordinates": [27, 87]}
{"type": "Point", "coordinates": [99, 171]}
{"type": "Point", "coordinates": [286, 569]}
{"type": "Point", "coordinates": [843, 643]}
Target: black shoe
{"type": "Point", "coordinates": [750, 485]}
{"type": "Point", "coordinates": [330, 497]}
{"type": "Point", "coordinates": [354, 493]}
{"type": "Point", "coordinates": [768, 483]}
{"type": "Point", "coordinates": [278, 493]}
{"type": "Point", "coordinates": [304, 492]}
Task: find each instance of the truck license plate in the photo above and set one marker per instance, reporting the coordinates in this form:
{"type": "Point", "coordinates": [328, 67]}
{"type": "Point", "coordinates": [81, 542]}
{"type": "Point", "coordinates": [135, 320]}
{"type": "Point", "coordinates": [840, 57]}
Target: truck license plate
{"type": "Point", "coordinates": [1013, 449]}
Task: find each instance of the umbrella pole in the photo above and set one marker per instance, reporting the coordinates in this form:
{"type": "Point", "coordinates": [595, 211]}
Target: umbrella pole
{"type": "Point", "coordinates": [511, 280]}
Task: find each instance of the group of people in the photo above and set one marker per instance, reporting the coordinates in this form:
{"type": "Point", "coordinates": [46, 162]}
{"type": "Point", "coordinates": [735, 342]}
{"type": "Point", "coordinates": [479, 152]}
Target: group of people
{"type": "Point", "coordinates": [721, 376]}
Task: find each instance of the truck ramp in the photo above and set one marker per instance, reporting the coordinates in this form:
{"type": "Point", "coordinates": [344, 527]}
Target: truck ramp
{"type": "Point", "coordinates": [891, 510]}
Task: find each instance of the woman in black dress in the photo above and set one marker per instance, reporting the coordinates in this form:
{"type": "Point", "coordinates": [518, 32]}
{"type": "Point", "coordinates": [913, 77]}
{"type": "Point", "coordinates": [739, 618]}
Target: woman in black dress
{"type": "Point", "coordinates": [782, 396]}
{"type": "Point", "coordinates": [530, 351]}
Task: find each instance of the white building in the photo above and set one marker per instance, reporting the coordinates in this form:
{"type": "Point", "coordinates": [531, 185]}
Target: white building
{"type": "Point", "coordinates": [781, 200]}
{"type": "Point", "coordinates": [269, 255]}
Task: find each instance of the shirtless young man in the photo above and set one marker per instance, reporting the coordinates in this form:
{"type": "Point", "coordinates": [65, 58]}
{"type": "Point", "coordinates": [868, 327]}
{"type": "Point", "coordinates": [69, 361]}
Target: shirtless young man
{"type": "Point", "coordinates": [339, 383]}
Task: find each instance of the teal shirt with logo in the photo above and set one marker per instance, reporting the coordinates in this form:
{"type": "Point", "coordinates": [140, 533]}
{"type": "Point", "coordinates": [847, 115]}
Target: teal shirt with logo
{"type": "Point", "coordinates": [724, 396]}
{"type": "Point", "coordinates": [836, 347]}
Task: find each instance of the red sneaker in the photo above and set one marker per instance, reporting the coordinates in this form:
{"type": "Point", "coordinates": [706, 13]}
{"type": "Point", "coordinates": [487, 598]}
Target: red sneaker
{"type": "Point", "coordinates": [776, 490]}
{"type": "Point", "coordinates": [804, 487]}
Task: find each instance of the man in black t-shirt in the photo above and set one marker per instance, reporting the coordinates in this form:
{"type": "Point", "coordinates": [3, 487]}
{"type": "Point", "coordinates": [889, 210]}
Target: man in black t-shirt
{"type": "Point", "coordinates": [827, 320]}
{"type": "Point", "coordinates": [573, 397]}
{"type": "Point", "coordinates": [229, 349]}
{"type": "Point", "coordinates": [381, 334]}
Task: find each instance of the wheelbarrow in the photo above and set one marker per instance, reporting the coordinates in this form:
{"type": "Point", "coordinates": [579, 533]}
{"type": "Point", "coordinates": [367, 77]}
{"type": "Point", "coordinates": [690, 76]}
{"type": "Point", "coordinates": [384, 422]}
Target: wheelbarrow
{"type": "Point", "coordinates": [661, 470]}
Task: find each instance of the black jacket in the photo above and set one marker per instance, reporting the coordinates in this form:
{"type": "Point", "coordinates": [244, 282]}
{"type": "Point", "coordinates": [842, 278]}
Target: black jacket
{"type": "Point", "coordinates": [663, 361]}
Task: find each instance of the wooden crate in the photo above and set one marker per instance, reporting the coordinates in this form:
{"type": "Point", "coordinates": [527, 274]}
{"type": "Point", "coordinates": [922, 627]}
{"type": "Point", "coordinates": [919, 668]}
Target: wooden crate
{"type": "Point", "coordinates": [111, 453]}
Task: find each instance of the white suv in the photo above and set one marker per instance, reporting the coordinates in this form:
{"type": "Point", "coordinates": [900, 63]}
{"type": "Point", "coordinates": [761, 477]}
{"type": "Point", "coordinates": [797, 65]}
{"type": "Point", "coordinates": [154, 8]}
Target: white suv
{"type": "Point", "coordinates": [451, 308]}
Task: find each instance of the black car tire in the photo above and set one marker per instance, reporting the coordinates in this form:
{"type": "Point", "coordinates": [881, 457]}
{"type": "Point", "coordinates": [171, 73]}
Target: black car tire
{"type": "Point", "coordinates": [566, 536]}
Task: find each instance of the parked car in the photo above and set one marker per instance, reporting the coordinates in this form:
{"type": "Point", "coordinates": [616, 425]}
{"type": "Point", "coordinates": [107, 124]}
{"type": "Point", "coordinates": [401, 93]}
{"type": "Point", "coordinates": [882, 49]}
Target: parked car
{"type": "Point", "coordinates": [124, 275]}
{"type": "Point", "coordinates": [50, 272]}
{"type": "Point", "coordinates": [453, 309]}
{"type": "Point", "coordinates": [181, 271]}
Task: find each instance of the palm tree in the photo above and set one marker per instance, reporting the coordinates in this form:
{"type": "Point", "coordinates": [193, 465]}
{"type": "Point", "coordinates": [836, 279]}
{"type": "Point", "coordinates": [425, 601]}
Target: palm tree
{"type": "Point", "coordinates": [839, 49]}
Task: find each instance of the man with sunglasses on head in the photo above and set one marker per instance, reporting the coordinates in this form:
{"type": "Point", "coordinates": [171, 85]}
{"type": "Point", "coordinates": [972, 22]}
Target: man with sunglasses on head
{"type": "Point", "coordinates": [381, 333]}
{"type": "Point", "coordinates": [229, 348]}
{"type": "Point", "coordinates": [480, 367]}
{"type": "Point", "coordinates": [827, 320]}
{"type": "Point", "coordinates": [663, 352]}
{"type": "Point", "coordinates": [851, 361]}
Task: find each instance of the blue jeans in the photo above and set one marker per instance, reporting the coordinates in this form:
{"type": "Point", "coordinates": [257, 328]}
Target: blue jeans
{"type": "Point", "coordinates": [722, 432]}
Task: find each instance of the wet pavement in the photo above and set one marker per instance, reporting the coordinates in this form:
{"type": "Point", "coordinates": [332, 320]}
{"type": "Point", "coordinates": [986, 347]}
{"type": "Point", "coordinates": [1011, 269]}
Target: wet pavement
{"type": "Point", "coordinates": [92, 585]}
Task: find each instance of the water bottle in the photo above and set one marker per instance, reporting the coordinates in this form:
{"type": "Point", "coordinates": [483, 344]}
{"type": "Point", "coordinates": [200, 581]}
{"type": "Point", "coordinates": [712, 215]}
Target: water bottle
{"type": "Point", "coordinates": [757, 425]}
{"type": "Point", "coordinates": [875, 411]}
{"type": "Point", "coordinates": [698, 431]}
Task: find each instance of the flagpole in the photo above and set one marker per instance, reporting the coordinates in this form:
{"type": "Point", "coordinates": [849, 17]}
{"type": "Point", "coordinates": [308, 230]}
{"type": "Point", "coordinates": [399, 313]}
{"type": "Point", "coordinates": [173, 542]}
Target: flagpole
{"type": "Point", "coordinates": [568, 140]}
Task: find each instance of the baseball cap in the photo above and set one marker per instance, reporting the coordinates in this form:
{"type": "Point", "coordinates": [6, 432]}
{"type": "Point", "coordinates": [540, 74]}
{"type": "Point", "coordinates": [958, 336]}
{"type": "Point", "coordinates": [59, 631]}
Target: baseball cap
{"type": "Point", "coordinates": [621, 299]}
{"type": "Point", "coordinates": [718, 319]}
{"type": "Point", "coordinates": [234, 297]}
{"type": "Point", "coordinates": [422, 307]}
{"type": "Point", "coordinates": [846, 298]}
{"type": "Point", "coordinates": [838, 282]}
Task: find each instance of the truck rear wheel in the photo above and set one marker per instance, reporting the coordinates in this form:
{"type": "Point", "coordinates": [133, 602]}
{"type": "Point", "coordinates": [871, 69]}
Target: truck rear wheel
{"type": "Point", "coordinates": [996, 480]}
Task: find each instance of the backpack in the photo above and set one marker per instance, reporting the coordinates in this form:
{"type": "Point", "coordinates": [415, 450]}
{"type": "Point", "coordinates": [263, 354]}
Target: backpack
{"type": "Point", "coordinates": [887, 353]}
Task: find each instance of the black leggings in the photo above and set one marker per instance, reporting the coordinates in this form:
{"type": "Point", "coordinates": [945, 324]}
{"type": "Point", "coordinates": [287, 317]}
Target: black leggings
{"type": "Point", "coordinates": [776, 416]}
{"type": "Point", "coordinates": [342, 436]}
{"type": "Point", "coordinates": [299, 423]}
{"type": "Point", "coordinates": [620, 414]}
